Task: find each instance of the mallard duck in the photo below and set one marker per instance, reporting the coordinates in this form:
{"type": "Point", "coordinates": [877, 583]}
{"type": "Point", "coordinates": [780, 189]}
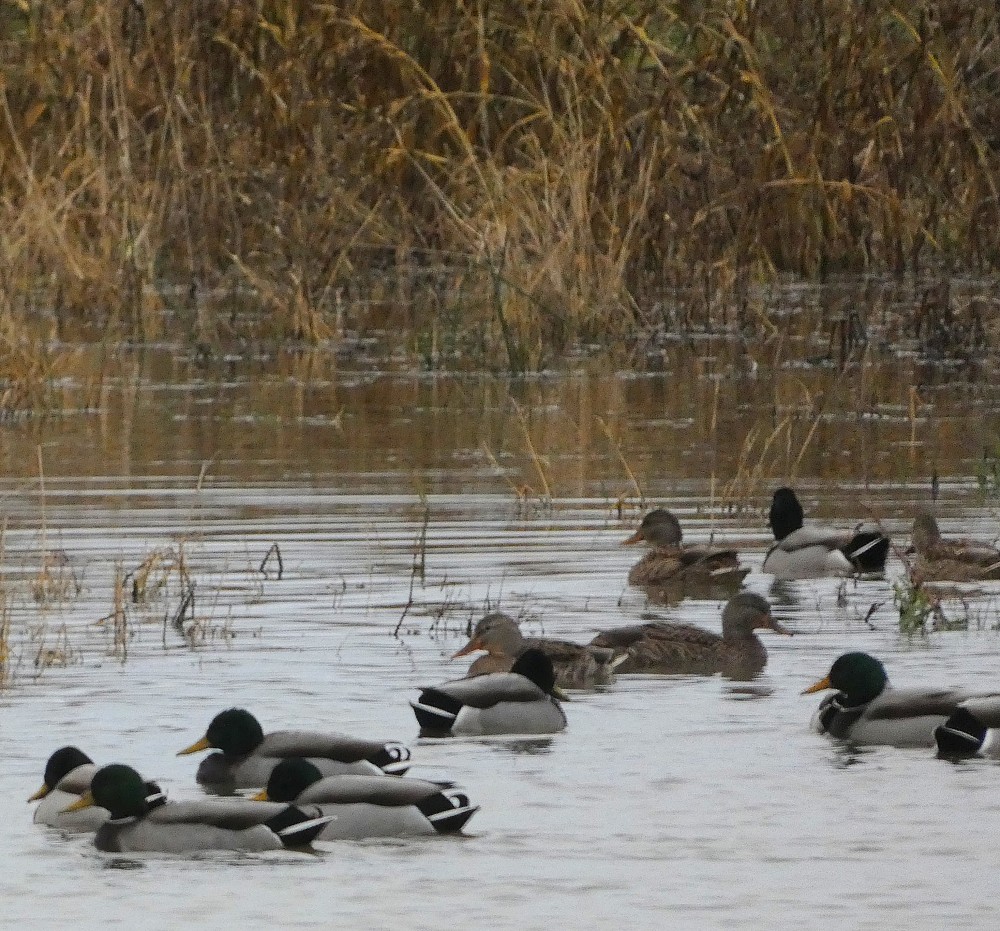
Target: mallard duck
{"type": "Point", "coordinates": [866, 709]}
{"type": "Point", "coordinates": [248, 754]}
{"type": "Point", "coordinates": [140, 822]}
{"type": "Point", "coordinates": [939, 559]}
{"type": "Point", "coordinates": [669, 562]}
{"type": "Point", "coordinates": [806, 552]}
{"type": "Point", "coordinates": [517, 702]}
{"type": "Point", "coordinates": [577, 666]}
{"type": "Point", "coordinates": [67, 777]}
{"type": "Point", "coordinates": [659, 647]}
{"type": "Point", "coordinates": [369, 806]}
{"type": "Point", "coordinates": [68, 774]}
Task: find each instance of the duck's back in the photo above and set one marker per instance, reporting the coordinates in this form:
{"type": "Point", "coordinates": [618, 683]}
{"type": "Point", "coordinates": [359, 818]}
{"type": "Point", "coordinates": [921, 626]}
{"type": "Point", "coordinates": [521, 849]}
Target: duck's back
{"type": "Point", "coordinates": [662, 647]}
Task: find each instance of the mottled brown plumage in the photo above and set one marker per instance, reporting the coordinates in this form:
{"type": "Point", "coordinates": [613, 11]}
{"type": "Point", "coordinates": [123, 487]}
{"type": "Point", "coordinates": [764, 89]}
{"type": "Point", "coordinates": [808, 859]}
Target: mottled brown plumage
{"type": "Point", "coordinates": [671, 563]}
{"type": "Point", "coordinates": [577, 666]}
{"type": "Point", "coordinates": [660, 647]}
{"type": "Point", "coordinates": [953, 560]}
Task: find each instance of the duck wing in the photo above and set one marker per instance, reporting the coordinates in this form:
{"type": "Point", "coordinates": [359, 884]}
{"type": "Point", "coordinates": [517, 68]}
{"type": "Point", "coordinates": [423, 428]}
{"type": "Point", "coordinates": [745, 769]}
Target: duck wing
{"type": "Point", "coordinates": [374, 790]}
{"type": "Point", "coordinates": [664, 647]}
{"type": "Point", "coordinates": [234, 814]}
{"type": "Point", "coordinates": [486, 691]}
{"type": "Point", "coordinates": [340, 748]}
{"type": "Point", "coordinates": [813, 535]}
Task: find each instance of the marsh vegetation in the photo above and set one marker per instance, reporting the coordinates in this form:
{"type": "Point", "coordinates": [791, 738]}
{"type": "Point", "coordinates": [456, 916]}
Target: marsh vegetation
{"type": "Point", "coordinates": [489, 181]}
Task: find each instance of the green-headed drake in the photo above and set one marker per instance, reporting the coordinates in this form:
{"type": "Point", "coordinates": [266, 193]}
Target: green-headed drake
{"type": "Point", "coordinates": [867, 710]}
{"type": "Point", "coordinates": [801, 552]}
{"type": "Point", "coordinates": [955, 560]}
{"type": "Point", "coordinates": [139, 821]}
{"type": "Point", "coordinates": [517, 702]}
{"type": "Point", "coordinates": [669, 562]}
{"type": "Point", "coordinates": [577, 666]}
{"type": "Point", "coordinates": [660, 647]}
{"type": "Point", "coordinates": [248, 754]}
{"type": "Point", "coordinates": [68, 773]}
{"type": "Point", "coordinates": [369, 806]}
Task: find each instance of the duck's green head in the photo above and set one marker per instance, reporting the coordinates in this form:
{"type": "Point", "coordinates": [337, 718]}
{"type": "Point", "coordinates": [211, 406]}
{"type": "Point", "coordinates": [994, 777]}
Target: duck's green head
{"type": "Point", "coordinates": [859, 676]}
{"type": "Point", "coordinates": [119, 789]}
{"type": "Point", "coordinates": [535, 665]}
{"type": "Point", "coordinates": [288, 780]}
{"type": "Point", "coordinates": [786, 513]}
{"type": "Point", "coordinates": [660, 528]}
{"type": "Point", "coordinates": [235, 732]}
{"type": "Point", "coordinates": [60, 764]}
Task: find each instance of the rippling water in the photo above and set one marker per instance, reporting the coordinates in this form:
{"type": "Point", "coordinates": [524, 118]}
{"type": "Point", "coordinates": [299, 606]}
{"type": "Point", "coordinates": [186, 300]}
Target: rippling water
{"type": "Point", "coordinates": [670, 801]}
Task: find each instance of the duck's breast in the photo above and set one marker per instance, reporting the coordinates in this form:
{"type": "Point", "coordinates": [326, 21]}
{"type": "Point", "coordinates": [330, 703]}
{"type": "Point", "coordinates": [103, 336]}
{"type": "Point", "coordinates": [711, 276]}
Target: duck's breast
{"type": "Point", "coordinates": [50, 811]}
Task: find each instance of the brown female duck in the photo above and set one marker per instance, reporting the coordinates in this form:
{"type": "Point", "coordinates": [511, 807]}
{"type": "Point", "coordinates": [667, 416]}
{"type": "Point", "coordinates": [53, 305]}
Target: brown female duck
{"type": "Point", "coordinates": [670, 562]}
{"type": "Point", "coordinates": [954, 560]}
{"type": "Point", "coordinates": [660, 647]}
{"type": "Point", "coordinates": [577, 666]}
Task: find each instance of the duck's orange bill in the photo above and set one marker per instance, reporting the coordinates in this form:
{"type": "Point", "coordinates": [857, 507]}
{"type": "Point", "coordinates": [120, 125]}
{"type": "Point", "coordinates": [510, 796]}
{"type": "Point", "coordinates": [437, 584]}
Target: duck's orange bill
{"type": "Point", "coordinates": [636, 537]}
{"type": "Point", "coordinates": [823, 683]}
{"type": "Point", "coordinates": [41, 793]}
{"type": "Point", "coordinates": [261, 796]}
{"type": "Point", "coordinates": [202, 744]}
{"type": "Point", "coordinates": [84, 801]}
{"type": "Point", "coordinates": [470, 647]}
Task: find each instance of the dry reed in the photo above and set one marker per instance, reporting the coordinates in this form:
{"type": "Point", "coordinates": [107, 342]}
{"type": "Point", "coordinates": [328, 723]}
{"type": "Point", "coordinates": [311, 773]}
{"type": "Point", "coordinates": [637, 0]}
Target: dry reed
{"type": "Point", "coordinates": [506, 179]}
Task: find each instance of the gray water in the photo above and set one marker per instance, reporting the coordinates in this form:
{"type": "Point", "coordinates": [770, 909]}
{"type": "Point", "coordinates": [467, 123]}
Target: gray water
{"type": "Point", "coordinates": [690, 802]}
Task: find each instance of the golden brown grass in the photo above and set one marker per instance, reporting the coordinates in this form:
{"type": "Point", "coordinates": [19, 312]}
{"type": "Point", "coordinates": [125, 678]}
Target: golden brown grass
{"type": "Point", "coordinates": [506, 179]}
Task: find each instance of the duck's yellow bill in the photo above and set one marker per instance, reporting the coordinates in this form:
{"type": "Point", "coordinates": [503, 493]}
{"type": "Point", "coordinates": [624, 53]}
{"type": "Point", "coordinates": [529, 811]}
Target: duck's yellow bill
{"type": "Point", "coordinates": [261, 796]}
{"type": "Point", "coordinates": [202, 744]}
{"type": "Point", "coordinates": [560, 693]}
{"type": "Point", "coordinates": [823, 683]}
{"type": "Point", "coordinates": [84, 801]}
{"type": "Point", "coordinates": [41, 793]}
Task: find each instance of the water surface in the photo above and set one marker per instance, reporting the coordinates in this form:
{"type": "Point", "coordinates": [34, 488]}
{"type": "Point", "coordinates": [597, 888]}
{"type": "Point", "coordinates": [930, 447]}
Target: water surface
{"type": "Point", "coordinates": [394, 503]}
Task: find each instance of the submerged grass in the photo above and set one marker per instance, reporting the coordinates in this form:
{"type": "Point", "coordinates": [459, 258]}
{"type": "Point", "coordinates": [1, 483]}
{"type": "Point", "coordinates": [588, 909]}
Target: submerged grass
{"type": "Point", "coordinates": [503, 180]}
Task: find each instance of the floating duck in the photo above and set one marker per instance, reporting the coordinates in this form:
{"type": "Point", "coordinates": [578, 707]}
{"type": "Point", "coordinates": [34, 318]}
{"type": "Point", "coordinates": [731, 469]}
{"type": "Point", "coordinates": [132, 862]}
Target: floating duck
{"type": "Point", "coordinates": [956, 560]}
{"type": "Point", "coordinates": [369, 806]}
{"type": "Point", "coordinates": [248, 754]}
{"type": "Point", "coordinates": [659, 647]}
{"type": "Point", "coordinates": [866, 709]}
{"type": "Point", "coordinates": [669, 562]}
{"type": "Point", "coordinates": [517, 702]}
{"type": "Point", "coordinates": [801, 552]}
{"type": "Point", "coordinates": [141, 822]}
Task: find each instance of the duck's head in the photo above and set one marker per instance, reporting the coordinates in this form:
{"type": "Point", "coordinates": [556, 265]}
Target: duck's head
{"type": "Point", "coordinates": [786, 513]}
{"type": "Point", "coordinates": [859, 676]}
{"type": "Point", "coordinates": [288, 780]}
{"type": "Point", "coordinates": [658, 528]}
{"type": "Point", "coordinates": [925, 533]}
{"type": "Point", "coordinates": [496, 633]}
{"type": "Point", "coordinates": [746, 612]}
{"type": "Point", "coordinates": [60, 764]}
{"type": "Point", "coordinates": [121, 790]}
{"type": "Point", "coordinates": [535, 665]}
{"type": "Point", "coordinates": [235, 732]}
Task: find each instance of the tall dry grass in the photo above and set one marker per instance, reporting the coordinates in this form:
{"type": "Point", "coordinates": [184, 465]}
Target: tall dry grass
{"type": "Point", "coordinates": [506, 179]}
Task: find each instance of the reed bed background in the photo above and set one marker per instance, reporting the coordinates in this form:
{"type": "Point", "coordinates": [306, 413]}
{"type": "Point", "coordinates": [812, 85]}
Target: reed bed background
{"type": "Point", "coordinates": [490, 179]}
